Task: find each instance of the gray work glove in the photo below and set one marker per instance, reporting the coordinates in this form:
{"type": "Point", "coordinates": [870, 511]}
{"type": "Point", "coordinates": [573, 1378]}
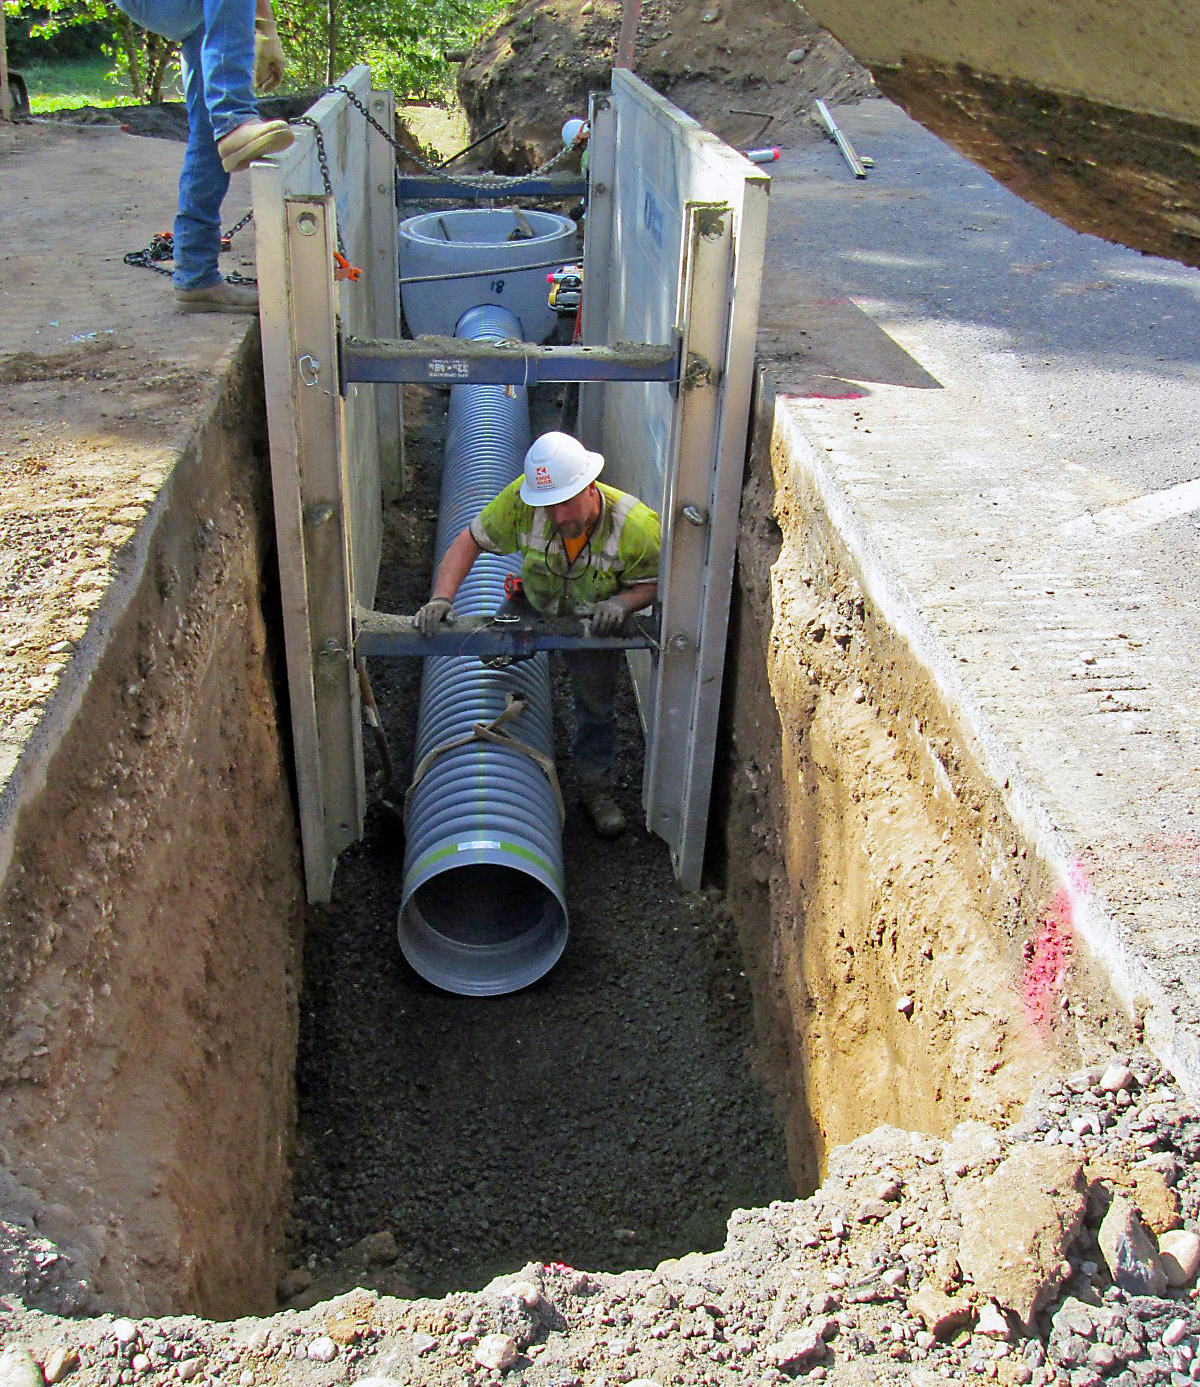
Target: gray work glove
{"type": "Point", "coordinates": [432, 614]}
{"type": "Point", "coordinates": [268, 56]}
{"type": "Point", "coordinates": [608, 616]}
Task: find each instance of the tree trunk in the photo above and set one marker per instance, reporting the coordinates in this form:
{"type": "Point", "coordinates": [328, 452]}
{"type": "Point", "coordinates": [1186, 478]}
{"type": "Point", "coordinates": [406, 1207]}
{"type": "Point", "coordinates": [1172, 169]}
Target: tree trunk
{"type": "Point", "coordinates": [133, 66]}
{"type": "Point", "coordinates": [159, 52]}
{"type": "Point", "coordinates": [331, 64]}
{"type": "Point", "coordinates": [5, 101]}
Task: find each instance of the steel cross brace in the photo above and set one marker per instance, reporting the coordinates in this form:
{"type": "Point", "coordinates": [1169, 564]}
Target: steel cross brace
{"type": "Point", "coordinates": [382, 633]}
{"type": "Point", "coordinates": [452, 361]}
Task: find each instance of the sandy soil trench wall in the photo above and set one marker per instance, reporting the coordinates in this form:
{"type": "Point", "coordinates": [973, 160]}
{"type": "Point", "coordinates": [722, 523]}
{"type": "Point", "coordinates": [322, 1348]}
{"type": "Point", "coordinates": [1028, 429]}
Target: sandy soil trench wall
{"type": "Point", "coordinates": [149, 947]}
{"type": "Point", "coordinates": [900, 933]}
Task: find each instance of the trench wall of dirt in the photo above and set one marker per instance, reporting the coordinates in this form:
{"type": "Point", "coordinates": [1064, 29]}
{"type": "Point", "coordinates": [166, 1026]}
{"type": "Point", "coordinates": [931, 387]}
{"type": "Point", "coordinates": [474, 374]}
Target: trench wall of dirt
{"type": "Point", "coordinates": [902, 938]}
{"type": "Point", "coordinates": [151, 915]}
{"type": "Point", "coordinates": [1135, 56]}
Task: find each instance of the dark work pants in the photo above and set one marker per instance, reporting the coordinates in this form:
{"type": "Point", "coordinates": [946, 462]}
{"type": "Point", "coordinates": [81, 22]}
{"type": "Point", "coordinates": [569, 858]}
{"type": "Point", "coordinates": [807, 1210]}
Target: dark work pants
{"type": "Point", "coordinates": [594, 675]}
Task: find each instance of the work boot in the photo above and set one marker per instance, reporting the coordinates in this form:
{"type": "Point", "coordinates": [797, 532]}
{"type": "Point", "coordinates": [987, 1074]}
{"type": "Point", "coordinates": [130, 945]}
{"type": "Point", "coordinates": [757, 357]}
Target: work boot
{"type": "Point", "coordinates": [603, 810]}
{"type": "Point", "coordinates": [218, 298]}
{"type": "Point", "coordinates": [252, 140]}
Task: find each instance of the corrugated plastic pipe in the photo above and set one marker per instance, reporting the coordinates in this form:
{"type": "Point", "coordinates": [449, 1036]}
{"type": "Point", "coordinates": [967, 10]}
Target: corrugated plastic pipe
{"type": "Point", "coordinates": [483, 908]}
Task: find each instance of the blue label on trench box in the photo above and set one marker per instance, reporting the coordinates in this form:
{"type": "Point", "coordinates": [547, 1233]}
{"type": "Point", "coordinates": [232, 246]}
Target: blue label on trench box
{"type": "Point", "coordinates": [652, 217]}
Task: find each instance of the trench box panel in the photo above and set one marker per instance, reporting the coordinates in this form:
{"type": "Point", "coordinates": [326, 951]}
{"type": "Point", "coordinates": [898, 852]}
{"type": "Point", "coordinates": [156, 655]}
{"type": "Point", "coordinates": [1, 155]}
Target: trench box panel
{"type": "Point", "coordinates": [675, 235]}
{"type": "Point", "coordinates": [331, 455]}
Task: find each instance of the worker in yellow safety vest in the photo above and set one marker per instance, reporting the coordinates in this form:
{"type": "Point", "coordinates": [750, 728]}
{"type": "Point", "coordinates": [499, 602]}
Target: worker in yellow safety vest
{"type": "Point", "coordinates": [586, 549]}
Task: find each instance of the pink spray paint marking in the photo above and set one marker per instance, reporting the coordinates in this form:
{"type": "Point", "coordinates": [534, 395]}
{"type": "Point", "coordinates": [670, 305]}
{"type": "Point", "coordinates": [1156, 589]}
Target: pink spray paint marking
{"type": "Point", "coordinates": [1045, 972]}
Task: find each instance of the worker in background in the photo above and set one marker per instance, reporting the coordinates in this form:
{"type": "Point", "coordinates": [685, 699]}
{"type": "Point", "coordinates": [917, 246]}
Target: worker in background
{"type": "Point", "coordinates": [586, 549]}
{"type": "Point", "coordinates": [228, 47]}
{"type": "Point", "coordinates": [575, 135]}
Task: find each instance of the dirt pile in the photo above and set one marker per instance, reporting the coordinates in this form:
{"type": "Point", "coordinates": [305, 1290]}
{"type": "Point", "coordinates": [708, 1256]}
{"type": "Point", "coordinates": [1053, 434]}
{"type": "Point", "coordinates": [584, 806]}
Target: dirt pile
{"type": "Point", "coordinates": [749, 83]}
{"type": "Point", "coordinates": [1118, 174]}
{"type": "Point", "coordinates": [1114, 173]}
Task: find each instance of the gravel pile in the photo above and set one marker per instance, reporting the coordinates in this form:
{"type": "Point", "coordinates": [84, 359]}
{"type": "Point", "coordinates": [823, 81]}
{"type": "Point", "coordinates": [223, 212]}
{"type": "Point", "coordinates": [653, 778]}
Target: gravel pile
{"type": "Point", "coordinates": [1061, 1250]}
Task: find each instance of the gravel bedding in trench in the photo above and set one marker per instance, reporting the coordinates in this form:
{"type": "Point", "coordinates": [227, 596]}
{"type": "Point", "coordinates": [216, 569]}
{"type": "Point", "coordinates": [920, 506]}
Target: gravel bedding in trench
{"type": "Point", "coordinates": [609, 1116]}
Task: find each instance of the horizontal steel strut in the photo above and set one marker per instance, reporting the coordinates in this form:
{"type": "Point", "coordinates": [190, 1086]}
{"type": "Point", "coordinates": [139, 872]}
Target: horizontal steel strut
{"type": "Point", "coordinates": [382, 633]}
{"type": "Point", "coordinates": [447, 361]}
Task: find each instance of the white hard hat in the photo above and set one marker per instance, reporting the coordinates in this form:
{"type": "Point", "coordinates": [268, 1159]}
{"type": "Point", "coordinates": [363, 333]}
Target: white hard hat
{"type": "Point", "coordinates": [572, 130]}
{"type": "Point", "coordinates": [558, 467]}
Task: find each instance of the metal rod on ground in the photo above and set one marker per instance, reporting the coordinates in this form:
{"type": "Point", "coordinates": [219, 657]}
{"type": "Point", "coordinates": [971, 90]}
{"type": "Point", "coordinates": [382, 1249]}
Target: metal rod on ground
{"type": "Point", "coordinates": [764, 116]}
{"type": "Point", "coordinates": [841, 141]}
{"type": "Point", "coordinates": [466, 149]}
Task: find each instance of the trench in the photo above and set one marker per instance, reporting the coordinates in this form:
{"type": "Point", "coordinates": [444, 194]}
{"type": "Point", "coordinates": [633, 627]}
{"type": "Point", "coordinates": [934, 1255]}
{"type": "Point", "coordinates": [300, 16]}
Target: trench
{"type": "Point", "coordinates": [856, 958]}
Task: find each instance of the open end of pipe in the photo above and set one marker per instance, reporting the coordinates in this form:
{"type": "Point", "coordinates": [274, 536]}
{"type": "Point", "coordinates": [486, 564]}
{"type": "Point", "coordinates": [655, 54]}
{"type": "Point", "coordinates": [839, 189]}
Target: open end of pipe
{"type": "Point", "coordinates": [483, 929]}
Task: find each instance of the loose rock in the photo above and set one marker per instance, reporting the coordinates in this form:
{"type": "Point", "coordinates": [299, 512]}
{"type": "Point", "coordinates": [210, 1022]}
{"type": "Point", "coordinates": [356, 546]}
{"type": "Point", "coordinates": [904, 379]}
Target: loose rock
{"type": "Point", "coordinates": [943, 1314]}
{"type": "Point", "coordinates": [496, 1351]}
{"type": "Point", "coordinates": [1129, 1251]}
{"type": "Point", "coordinates": [322, 1349]}
{"type": "Point", "coordinates": [59, 1362]}
{"type": "Point", "coordinates": [798, 1350]}
{"type": "Point", "coordinates": [18, 1368]}
{"type": "Point", "coordinates": [1116, 1078]}
{"type": "Point", "coordinates": [1018, 1224]}
{"type": "Point", "coordinates": [1179, 1256]}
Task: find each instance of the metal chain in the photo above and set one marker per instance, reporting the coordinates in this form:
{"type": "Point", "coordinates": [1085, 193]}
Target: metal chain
{"type": "Point", "coordinates": [323, 161]}
{"type": "Point", "coordinates": [162, 247]}
{"type": "Point", "coordinates": [471, 182]}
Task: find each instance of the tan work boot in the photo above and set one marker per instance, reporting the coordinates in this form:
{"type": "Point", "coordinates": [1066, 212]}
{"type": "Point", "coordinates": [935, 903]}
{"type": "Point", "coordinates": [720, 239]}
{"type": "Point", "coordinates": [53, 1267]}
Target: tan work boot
{"type": "Point", "coordinates": [252, 140]}
{"type": "Point", "coordinates": [603, 810]}
{"type": "Point", "coordinates": [218, 298]}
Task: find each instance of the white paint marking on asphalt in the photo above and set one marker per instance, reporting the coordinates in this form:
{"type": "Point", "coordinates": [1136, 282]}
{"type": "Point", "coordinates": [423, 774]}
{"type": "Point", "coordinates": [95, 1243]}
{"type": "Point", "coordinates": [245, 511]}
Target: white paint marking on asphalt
{"type": "Point", "coordinates": [1137, 515]}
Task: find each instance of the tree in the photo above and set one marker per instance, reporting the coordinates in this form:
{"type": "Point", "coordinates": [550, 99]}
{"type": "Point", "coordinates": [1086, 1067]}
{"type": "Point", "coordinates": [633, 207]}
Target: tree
{"type": "Point", "coordinates": [403, 41]}
{"type": "Point", "coordinates": [142, 60]}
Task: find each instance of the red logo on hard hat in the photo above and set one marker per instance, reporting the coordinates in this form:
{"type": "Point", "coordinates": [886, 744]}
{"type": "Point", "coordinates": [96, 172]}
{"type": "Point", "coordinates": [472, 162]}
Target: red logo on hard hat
{"type": "Point", "coordinates": [543, 477]}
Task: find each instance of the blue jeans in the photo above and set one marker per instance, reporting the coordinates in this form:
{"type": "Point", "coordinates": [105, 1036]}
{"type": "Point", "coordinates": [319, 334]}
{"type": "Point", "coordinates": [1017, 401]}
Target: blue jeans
{"type": "Point", "coordinates": [594, 675]}
{"type": "Point", "coordinates": [216, 41]}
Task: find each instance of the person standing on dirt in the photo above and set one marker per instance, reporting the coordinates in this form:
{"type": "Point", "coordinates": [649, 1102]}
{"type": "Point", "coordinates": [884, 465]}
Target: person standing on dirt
{"type": "Point", "coordinates": [586, 549]}
{"type": "Point", "coordinates": [228, 47]}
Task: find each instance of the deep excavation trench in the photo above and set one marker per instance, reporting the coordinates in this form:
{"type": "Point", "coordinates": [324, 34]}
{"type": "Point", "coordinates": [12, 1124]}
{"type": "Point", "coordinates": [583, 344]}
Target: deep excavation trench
{"type": "Point", "coordinates": [614, 1114]}
{"type": "Point", "coordinates": [857, 959]}
{"type": "Point", "coordinates": [611, 1115]}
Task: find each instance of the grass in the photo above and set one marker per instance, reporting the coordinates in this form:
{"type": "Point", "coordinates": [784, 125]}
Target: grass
{"type": "Point", "coordinates": [73, 82]}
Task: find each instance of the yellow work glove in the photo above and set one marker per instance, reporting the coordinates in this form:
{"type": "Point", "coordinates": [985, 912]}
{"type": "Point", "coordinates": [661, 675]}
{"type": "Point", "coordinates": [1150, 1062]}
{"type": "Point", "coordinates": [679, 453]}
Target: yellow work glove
{"type": "Point", "coordinates": [268, 55]}
{"type": "Point", "coordinates": [608, 616]}
{"type": "Point", "coordinates": [432, 614]}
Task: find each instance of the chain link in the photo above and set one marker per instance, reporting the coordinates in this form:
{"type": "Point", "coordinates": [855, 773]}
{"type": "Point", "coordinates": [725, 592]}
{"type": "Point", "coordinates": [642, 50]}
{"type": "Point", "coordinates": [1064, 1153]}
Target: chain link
{"type": "Point", "coordinates": [323, 160]}
{"type": "Point", "coordinates": [471, 182]}
{"type": "Point", "coordinates": [162, 247]}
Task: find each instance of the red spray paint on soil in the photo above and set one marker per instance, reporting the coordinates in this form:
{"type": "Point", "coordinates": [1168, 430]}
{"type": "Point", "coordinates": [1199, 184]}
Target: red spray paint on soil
{"type": "Point", "coordinates": [1049, 953]}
